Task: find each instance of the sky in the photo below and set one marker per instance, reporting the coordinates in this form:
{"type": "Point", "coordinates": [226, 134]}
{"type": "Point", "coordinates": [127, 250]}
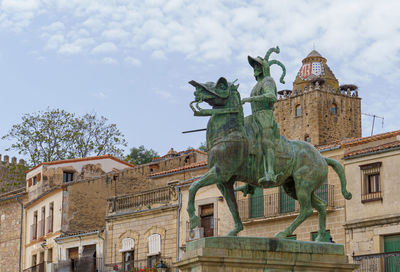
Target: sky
{"type": "Point", "coordinates": [131, 61]}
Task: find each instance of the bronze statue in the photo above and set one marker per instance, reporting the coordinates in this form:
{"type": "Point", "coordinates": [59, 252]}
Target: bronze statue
{"type": "Point", "coordinates": [237, 150]}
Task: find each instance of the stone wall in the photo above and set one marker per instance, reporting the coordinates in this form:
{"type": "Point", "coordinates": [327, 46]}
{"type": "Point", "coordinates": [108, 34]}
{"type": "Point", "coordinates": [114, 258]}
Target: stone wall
{"type": "Point", "coordinates": [317, 120]}
{"type": "Point", "coordinates": [139, 226]}
{"type": "Point", "coordinates": [10, 224]}
{"type": "Point", "coordinates": [12, 174]}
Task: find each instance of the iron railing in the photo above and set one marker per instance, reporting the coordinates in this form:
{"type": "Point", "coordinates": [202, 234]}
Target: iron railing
{"type": "Point", "coordinates": [49, 223]}
{"type": "Point", "coordinates": [36, 268]}
{"type": "Point", "coordinates": [371, 197]}
{"type": "Point", "coordinates": [382, 262]}
{"type": "Point", "coordinates": [143, 199]}
{"type": "Point", "coordinates": [33, 231]}
{"type": "Point", "coordinates": [275, 204]}
{"type": "Point", "coordinates": [138, 264]}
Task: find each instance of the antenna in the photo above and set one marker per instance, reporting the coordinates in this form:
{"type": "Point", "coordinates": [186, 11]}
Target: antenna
{"type": "Point", "coordinates": [373, 120]}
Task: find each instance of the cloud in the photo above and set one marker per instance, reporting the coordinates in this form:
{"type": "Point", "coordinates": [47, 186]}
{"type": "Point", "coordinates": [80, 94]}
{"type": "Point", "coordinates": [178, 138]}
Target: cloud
{"type": "Point", "coordinates": [107, 47]}
{"type": "Point", "coordinates": [221, 31]}
{"type": "Point", "coordinates": [133, 61]}
{"type": "Point", "coordinates": [158, 54]}
{"type": "Point", "coordinates": [108, 60]}
{"type": "Point", "coordinates": [70, 49]}
{"type": "Point", "coordinates": [54, 27]}
{"type": "Point", "coordinates": [54, 41]}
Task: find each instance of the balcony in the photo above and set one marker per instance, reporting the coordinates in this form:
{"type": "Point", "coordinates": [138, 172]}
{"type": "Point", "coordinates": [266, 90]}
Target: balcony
{"type": "Point", "coordinates": [33, 231]}
{"type": "Point", "coordinates": [371, 197]}
{"type": "Point", "coordinates": [382, 262]}
{"type": "Point", "coordinates": [143, 200]}
{"type": "Point", "coordinates": [49, 221]}
{"type": "Point", "coordinates": [36, 268]}
{"type": "Point", "coordinates": [138, 264]}
{"type": "Point", "coordinates": [277, 204]}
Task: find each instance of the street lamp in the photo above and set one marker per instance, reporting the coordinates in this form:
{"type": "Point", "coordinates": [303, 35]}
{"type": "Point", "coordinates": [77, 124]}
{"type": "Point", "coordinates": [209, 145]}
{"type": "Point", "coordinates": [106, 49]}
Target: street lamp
{"type": "Point", "coordinates": [161, 267]}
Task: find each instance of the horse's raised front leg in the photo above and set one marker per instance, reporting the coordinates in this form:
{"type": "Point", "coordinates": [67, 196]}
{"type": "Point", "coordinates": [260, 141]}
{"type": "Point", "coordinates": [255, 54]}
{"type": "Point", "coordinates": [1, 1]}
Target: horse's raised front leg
{"type": "Point", "coordinates": [303, 192]}
{"type": "Point", "coordinates": [229, 195]}
{"type": "Point", "coordinates": [209, 178]}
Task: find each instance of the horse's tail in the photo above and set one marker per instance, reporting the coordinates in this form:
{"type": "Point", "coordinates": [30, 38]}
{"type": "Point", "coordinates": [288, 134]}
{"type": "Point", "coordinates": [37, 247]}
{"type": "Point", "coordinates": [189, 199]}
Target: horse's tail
{"type": "Point", "coordinates": [340, 172]}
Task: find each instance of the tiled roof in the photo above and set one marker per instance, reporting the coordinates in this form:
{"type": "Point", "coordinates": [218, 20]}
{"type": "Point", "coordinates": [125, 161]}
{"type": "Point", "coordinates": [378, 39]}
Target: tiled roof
{"type": "Point", "coordinates": [81, 159]}
{"type": "Point", "coordinates": [363, 140]}
{"type": "Point", "coordinates": [182, 168]}
{"type": "Point", "coordinates": [370, 150]}
{"type": "Point", "coordinates": [314, 53]}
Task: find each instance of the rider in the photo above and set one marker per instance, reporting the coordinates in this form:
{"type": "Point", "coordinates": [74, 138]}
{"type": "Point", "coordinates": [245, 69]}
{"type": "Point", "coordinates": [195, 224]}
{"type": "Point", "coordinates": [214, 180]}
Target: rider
{"type": "Point", "coordinates": [262, 99]}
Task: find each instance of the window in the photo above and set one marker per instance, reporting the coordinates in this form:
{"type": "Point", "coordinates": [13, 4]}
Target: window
{"type": "Point", "coordinates": [50, 255]}
{"type": "Point", "coordinates": [34, 180]}
{"type": "Point", "coordinates": [298, 110]}
{"type": "Point", "coordinates": [50, 218]}
{"type": "Point", "coordinates": [371, 187]}
{"type": "Point", "coordinates": [154, 255]}
{"type": "Point", "coordinates": [128, 260]}
{"type": "Point", "coordinates": [33, 263]}
{"type": "Point", "coordinates": [68, 176]}
{"type": "Point", "coordinates": [333, 109]}
{"type": "Point", "coordinates": [207, 219]}
{"type": "Point", "coordinates": [42, 222]}
{"type": "Point", "coordinates": [34, 226]}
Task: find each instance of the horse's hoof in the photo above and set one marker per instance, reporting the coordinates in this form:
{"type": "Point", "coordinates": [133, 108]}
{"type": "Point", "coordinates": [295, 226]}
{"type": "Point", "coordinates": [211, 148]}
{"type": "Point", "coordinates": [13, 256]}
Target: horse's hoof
{"type": "Point", "coordinates": [194, 221]}
{"type": "Point", "coordinates": [281, 234]}
{"type": "Point", "coordinates": [325, 237]}
{"type": "Point", "coordinates": [232, 233]}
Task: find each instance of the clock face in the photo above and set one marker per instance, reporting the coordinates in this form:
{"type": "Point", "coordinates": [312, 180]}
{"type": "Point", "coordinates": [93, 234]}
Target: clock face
{"type": "Point", "coordinates": [307, 69]}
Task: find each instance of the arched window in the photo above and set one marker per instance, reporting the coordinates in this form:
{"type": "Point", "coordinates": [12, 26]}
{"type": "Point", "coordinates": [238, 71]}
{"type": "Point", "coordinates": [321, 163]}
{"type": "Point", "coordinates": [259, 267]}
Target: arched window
{"type": "Point", "coordinates": [298, 110]}
{"type": "Point", "coordinates": [307, 138]}
{"type": "Point", "coordinates": [334, 109]}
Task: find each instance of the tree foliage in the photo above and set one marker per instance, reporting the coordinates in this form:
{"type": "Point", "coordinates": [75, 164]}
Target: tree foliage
{"type": "Point", "coordinates": [55, 134]}
{"type": "Point", "coordinates": [140, 155]}
{"type": "Point", "coordinates": [203, 147]}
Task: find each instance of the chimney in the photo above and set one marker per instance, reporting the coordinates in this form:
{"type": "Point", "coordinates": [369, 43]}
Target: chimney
{"type": "Point", "coordinates": [6, 158]}
{"type": "Point", "coordinates": [21, 161]}
{"type": "Point", "coordinates": [14, 160]}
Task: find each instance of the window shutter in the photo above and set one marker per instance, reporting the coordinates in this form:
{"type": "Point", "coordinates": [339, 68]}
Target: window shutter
{"type": "Point", "coordinates": [128, 244]}
{"type": "Point", "coordinates": [30, 182]}
{"type": "Point", "coordinates": [154, 244]}
{"type": "Point", "coordinates": [39, 176]}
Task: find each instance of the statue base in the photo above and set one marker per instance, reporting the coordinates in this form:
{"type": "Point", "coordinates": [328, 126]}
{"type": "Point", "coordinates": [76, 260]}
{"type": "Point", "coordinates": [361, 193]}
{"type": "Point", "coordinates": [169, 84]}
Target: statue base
{"type": "Point", "coordinates": [238, 254]}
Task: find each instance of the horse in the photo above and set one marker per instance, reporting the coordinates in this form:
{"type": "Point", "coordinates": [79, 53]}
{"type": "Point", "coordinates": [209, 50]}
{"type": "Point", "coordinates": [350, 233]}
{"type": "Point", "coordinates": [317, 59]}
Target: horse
{"type": "Point", "coordinates": [233, 155]}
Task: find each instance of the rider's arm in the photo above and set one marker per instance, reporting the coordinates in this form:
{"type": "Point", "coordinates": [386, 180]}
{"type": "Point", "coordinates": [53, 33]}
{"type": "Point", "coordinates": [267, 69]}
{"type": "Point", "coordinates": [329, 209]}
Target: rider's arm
{"type": "Point", "coordinates": [269, 97]}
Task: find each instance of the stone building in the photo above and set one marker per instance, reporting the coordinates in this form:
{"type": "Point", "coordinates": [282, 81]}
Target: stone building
{"type": "Point", "coordinates": [317, 109]}
{"type": "Point", "coordinates": [66, 197]}
{"type": "Point", "coordinates": [12, 197]}
{"type": "Point", "coordinates": [372, 215]}
{"type": "Point", "coordinates": [146, 227]}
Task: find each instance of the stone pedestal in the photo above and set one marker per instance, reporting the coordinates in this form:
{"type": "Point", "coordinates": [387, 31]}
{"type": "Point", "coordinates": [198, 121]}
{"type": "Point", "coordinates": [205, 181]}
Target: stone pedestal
{"type": "Point", "coordinates": [238, 254]}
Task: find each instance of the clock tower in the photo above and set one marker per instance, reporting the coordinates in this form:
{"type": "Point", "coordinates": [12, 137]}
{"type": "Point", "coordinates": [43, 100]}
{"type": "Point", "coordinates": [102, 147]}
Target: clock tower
{"type": "Point", "coordinates": [318, 109]}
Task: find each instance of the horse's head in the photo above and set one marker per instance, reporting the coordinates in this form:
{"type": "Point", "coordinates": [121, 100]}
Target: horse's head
{"type": "Point", "coordinates": [215, 94]}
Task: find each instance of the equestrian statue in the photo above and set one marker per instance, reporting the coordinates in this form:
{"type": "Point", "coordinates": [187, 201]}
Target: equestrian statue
{"type": "Point", "coordinates": [251, 150]}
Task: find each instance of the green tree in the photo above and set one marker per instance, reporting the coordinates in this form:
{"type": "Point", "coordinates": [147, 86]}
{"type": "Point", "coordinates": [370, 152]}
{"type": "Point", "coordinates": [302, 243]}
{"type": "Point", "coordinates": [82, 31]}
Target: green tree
{"type": "Point", "coordinates": [55, 134]}
{"type": "Point", "coordinates": [140, 155]}
{"type": "Point", "coordinates": [203, 147]}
